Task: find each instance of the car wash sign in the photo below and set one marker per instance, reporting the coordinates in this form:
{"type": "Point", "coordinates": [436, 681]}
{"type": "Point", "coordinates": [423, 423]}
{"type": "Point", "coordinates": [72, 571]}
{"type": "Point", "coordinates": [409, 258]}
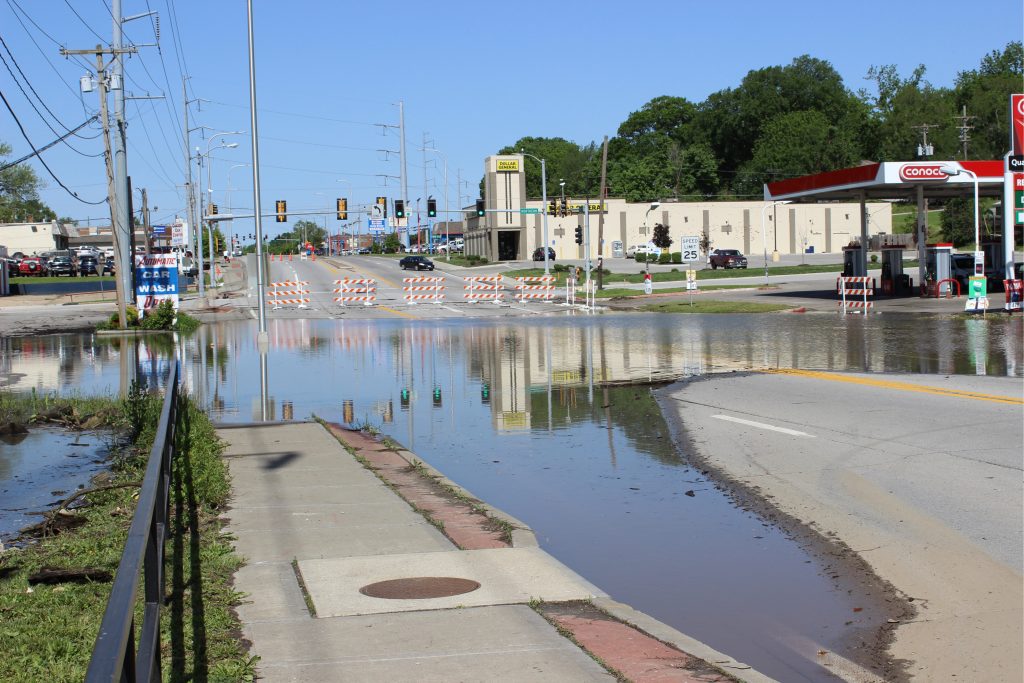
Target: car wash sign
{"type": "Point", "coordinates": [156, 280]}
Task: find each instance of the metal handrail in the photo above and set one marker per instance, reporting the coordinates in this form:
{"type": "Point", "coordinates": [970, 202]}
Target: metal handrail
{"type": "Point", "coordinates": [114, 656]}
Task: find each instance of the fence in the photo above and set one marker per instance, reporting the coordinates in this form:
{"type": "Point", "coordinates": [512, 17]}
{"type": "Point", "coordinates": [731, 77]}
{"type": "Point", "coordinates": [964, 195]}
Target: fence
{"type": "Point", "coordinates": [535, 288]}
{"type": "Point", "coordinates": [356, 289]}
{"type": "Point", "coordinates": [423, 288]}
{"type": "Point", "coordinates": [114, 656]}
{"type": "Point", "coordinates": [483, 288]}
{"type": "Point", "coordinates": [288, 293]}
{"type": "Point", "coordinates": [848, 291]}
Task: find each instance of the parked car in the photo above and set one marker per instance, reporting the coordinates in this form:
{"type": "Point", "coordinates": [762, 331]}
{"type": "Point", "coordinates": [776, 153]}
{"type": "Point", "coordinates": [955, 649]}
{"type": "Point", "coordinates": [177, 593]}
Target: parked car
{"type": "Point", "coordinates": [416, 263]}
{"type": "Point", "coordinates": [365, 250]}
{"type": "Point", "coordinates": [642, 249]}
{"type": "Point", "coordinates": [727, 258]}
{"type": "Point", "coordinates": [538, 254]}
{"type": "Point", "coordinates": [108, 266]}
{"type": "Point", "coordinates": [62, 265]}
{"type": "Point", "coordinates": [11, 264]}
{"type": "Point", "coordinates": [32, 265]}
{"type": "Point", "coordinates": [88, 265]}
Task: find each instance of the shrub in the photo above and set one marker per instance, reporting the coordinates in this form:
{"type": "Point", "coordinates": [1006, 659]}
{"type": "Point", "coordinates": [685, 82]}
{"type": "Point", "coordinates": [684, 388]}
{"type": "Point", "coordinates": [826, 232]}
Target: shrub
{"type": "Point", "coordinates": [874, 258]}
{"type": "Point", "coordinates": [665, 257]}
{"type": "Point", "coordinates": [677, 257]}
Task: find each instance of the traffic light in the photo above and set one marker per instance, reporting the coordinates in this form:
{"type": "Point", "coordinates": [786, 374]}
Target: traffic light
{"type": "Point", "coordinates": [551, 208]}
{"type": "Point", "coordinates": [565, 207]}
{"type": "Point", "coordinates": [342, 209]}
{"type": "Point", "coordinates": [213, 209]}
{"type": "Point", "coordinates": [382, 202]}
{"type": "Point", "coordinates": [579, 234]}
{"type": "Point", "coordinates": [431, 208]}
{"type": "Point", "coordinates": [399, 208]}
{"type": "Point", "coordinates": [282, 211]}
{"type": "Point", "coordinates": [480, 208]}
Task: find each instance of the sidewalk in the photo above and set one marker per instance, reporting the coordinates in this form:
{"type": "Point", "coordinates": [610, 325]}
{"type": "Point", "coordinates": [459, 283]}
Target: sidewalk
{"type": "Point", "coordinates": [346, 580]}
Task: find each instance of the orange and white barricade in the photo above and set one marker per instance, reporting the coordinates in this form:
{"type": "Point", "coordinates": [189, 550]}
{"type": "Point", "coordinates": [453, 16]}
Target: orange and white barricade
{"type": "Point", "coordinates": [424, 288]}
{"type": "Point", "coordinates": [483, 288]}
{"type": "Point", "coordinates": [570, 289]}
{"type": "Point", "coordinates": [288, 293]}
{"type": "Point", "coordinates": [855, 292]}
{"type": "Point", "coordinates": [541, 288]}
{"type": "Point", "coordinates": [356, 290]}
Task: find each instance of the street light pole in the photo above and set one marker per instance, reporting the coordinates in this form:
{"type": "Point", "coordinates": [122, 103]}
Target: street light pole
{"type": "Point", "coordinates": [647, 256]}
{"type": "Point", "coordinates": [544, 205]}
{"type": "Point", "coordinates": [209, 191]}
{"type": "Point", "coordinates": [262, 340]}
{"type": "Point", "coordinates": [979, 255]}
{"type": "Point", "coordinates": [764, 243]}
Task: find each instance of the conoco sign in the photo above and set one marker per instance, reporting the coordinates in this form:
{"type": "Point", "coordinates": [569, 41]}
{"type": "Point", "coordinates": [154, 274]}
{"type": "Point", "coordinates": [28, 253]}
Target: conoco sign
{"type": "Point", "coordinates": [919, 172]}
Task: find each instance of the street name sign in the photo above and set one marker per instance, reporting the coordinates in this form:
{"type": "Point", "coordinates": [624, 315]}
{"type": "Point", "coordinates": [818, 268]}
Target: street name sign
{"type": "Point", "coordinates": [529, 211]}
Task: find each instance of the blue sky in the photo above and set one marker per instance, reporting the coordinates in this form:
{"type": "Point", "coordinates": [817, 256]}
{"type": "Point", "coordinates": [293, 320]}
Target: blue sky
{"type": "Point", "coordinates": [474, 76]}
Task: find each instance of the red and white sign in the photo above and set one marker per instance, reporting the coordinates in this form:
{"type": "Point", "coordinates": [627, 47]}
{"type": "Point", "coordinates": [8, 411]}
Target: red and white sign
{"type": "Point", "coordinates": [1017, 124]}
{"type": "Point", "coordinates": [918, 172]}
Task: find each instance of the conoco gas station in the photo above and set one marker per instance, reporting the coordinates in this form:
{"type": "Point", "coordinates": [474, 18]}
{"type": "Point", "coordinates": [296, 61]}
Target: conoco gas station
{"type": "Point", "coordinates": [919, 182]}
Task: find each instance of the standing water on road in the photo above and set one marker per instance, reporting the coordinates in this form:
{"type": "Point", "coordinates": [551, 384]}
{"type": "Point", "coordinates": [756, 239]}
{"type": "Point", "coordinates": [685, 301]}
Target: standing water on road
{"type": "Point", "coordinates": [553, 420]}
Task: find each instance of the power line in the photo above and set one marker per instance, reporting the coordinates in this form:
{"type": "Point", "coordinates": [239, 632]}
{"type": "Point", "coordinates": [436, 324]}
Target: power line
{"type": "Point", "coordinates": [46, 147]}
{"type": "Point", "coordinates": [41, 160]}
{"type": "Point", "coordinates": [295, 114]}
{"type": "Point", "coordinates": [84, 22]}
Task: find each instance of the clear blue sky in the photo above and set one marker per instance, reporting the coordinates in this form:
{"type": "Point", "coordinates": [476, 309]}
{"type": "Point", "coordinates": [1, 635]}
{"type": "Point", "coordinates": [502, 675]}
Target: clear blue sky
{"type": "Point", "coordinates": [475, 76]}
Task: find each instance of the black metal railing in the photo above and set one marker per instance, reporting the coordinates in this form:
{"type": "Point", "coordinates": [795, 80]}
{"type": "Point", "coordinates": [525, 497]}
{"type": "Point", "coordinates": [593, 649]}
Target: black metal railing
{"type": "Point", "coordinates": [115, 656]}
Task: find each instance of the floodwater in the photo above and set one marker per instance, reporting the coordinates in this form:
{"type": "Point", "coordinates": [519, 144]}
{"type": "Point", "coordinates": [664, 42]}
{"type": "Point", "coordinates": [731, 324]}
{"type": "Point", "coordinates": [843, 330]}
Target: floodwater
{"type": "Point", "coordinates": [43, 467]}
{"type": "Point", "coordinates": [553, 420]}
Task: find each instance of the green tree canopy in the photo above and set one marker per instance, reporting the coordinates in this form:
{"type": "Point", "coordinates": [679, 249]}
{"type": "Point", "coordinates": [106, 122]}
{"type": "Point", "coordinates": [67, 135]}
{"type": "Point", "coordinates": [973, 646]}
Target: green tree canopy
{"type": "Point", "coordinates": [19, 193]}
{"type": "Point", "coordinates": [985, 92]}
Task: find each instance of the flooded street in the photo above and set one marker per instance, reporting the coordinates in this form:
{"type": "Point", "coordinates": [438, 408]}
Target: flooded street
{"type": "Point", "coordinates": [554, 421]}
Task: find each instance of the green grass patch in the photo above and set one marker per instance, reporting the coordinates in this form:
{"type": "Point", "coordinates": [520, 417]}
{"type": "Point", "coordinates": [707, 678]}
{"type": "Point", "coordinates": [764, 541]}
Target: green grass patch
{"type": "Point", "coordinates": [611, 293]}
{"type": "Point", "coordinates": [47, 632]}
{"type": "Point", "coordinates": [711, 306]}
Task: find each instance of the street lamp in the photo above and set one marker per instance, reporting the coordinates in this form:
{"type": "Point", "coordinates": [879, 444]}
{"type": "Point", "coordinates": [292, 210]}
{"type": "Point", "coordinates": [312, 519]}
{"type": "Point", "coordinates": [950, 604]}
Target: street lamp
{"type": "Point", "coordinates": [647, 257]}
{"type": "Point", "coordinates": [544, 205]}
{"type": "Point", "coordinates": [979, 256]}
{"type": "Point", "coordinates": [227, 197]}
{"type": "Point", "coordinates": [764, 244]}
{"type": "Point", "coordinates": [199, 240]}
{"type": "Point", "coordinates": [209, 192]}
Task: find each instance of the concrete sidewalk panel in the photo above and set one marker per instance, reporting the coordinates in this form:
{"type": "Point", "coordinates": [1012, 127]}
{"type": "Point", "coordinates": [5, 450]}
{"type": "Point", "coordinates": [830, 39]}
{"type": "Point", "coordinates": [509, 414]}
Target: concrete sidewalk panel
{"type": "Point", "coordinates": [317, 519]}
{"type": "Point", "coordinates": [308, 436]}
{"type": "Point", "coordinates": [368, 540]}
{"type": "Point", "coordinates": [506, 576]}
{"type": "Point", "coordinates": [510, 643]}
{"type": "Point", "coordinates": [272, 591]}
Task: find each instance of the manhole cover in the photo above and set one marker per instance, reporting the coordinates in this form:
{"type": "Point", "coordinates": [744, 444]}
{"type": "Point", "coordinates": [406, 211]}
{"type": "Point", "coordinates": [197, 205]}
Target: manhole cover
{"type": "Point", "coordinates": [419, 588]}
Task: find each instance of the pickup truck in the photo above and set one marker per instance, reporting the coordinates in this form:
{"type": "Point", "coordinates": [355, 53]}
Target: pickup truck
{"type": "Point", "coordinates": [727, 258]}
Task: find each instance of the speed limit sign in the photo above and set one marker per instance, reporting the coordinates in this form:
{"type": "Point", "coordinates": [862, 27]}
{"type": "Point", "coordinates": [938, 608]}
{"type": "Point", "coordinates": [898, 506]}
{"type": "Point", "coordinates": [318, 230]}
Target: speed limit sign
{"type": "Point", "coordinates": [690, 247]}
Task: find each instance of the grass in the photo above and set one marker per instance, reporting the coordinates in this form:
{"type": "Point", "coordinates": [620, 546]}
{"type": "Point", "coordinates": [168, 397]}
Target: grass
{"type": "Point", "coordinates": [710, 306]}
{"type": "Point", "coordinates": [47, 632]}
{"type": "Point", "coordinates": [612, 293]}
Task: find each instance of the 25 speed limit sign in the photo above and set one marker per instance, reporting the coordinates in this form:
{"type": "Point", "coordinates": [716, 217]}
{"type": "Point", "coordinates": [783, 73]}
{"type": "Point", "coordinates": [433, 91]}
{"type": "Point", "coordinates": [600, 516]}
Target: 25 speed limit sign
{"type": "Point", "coordinates": [690, 247]}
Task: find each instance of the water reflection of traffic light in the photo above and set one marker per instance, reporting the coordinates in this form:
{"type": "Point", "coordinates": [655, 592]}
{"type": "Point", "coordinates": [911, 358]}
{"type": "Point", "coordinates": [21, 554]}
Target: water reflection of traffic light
{"type": "Point", "coordinates": [403, 397]}
{"type": "Point", "coordinates": [348, 412]}
{"type": "Point", "coordinates": [485, 393]}
{"type": "Point", "coordinates": [389, 412]}
{"type": "Point", "coordinates": [287, 410]}
{"type": "Point", "coordinates": [437, 396]}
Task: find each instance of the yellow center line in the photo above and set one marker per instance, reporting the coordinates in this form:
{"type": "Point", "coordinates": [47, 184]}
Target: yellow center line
{"type": "Point", "coordinates": [397, 312]}
{"type": "Point", "coordinates": [902, 386]}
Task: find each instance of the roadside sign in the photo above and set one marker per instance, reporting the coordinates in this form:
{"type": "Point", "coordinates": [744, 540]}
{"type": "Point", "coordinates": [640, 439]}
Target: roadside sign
{"type": "Point", "coordinates": [691, 279]}
{"type": "Point", "coordinates": [376, 224]}
{"type": "Point", "coordinates": [690, 248]}
{"type": "Point", "coordinates": [529, 210]}
{"type": "Point", "coordinates": [156, 280]}
{"type": "Point", "coordinates": [178, 234]}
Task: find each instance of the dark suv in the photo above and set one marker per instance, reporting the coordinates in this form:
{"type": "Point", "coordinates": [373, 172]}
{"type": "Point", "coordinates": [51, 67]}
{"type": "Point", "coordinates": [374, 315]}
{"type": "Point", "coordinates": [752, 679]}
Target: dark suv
{"type": "Point", "coordinates": [727, 258]}
{"type": "Point", "coordinates": [62, 265]}
{"type": "Point", "coordinates": [88, 265]}
{"type": "Point", "coordinates": [538, 254]}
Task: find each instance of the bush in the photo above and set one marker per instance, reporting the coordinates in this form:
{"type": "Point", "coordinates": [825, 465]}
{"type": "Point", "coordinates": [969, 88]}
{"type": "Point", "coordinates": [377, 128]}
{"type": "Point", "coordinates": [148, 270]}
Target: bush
{"type": "Point", "coordinates": [677, 257]}
{"type": "Point", "coordinates": [664, 257]}
{"type": "Point", "coordinates": [874, 258]}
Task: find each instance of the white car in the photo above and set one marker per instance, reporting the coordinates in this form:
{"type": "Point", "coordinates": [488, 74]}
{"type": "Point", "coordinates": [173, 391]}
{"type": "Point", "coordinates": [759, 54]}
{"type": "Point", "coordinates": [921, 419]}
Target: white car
{"type": "Point", "coordinates": [649, 249]}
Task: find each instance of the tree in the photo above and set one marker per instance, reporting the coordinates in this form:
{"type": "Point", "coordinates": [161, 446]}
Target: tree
{"type": "Point", "coordinates": [19, 193]}
{"type": "Point", "coordinates": [564, 159]}
{"type": "Point", "coordinates": [661, 238]}
{"type": "Point", "coordinates": [900, 107]}
{"type": "Point", "coordinates": [958, 221]}
{"type": "Point", "coordinates": [986, 94]}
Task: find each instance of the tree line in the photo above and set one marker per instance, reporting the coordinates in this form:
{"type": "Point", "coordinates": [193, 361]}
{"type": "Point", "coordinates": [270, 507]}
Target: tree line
{"type": "Point", "coordinates": [782, 122]}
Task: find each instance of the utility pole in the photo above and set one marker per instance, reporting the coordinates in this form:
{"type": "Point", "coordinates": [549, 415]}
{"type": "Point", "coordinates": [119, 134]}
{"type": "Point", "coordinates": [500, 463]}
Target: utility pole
{"type": "Point", "coordinates": [403, 173]}
{"type": "Point", "coordinates": [120, 161]}
{"type": "Point", "coordinates": [188, 169]}
{"type": "Point", "coordinates": [116, 228]}
{"type": "Point", "coordinates": [965, 137]}
{"type": "Point", "coordinates": [924, 149]}
{"type": "Point", "coordinates": [146, 227]}
{"type": "Point", "coordinates": [426, 193]}
{"type": "Point", "coordinates": [600, 215]}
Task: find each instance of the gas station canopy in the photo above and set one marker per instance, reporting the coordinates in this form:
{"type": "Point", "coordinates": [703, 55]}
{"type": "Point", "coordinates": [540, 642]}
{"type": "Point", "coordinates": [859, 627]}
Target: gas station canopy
{"type": "Point", "coordinates": [891, 180]}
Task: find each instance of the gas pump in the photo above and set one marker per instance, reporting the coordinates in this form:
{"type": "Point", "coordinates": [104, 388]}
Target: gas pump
{"type": "Point", "coordinates": [937, 260]}
{"type": "Point", "coordinates": [854, 261]}
{"type": "Point", "coordinates": [894, 281]}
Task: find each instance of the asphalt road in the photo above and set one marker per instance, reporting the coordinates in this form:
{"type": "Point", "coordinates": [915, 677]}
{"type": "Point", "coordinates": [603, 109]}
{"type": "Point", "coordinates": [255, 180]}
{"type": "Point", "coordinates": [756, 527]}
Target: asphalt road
{"type": "Point", "coordinates": [921, 476]}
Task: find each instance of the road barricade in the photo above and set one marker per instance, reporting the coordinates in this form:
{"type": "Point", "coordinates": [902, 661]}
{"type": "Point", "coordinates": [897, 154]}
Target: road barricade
{"type": "Point", "coordinates": [855, 292]}
{"type": "Point", "coordinates": [483, 288]}
{"type": "Point", "coordinates": [1014, 290]}
{"type": "Point", "coordinates": [541, 288]}
{"type": "Point", "coordinates": [570, 290]}
{"type": "Point", "coordinates": [424, 288]}
{"type": "Point", "coordinates": [352, 290]}
{"type": "Point", "coordinates": [288, 293]}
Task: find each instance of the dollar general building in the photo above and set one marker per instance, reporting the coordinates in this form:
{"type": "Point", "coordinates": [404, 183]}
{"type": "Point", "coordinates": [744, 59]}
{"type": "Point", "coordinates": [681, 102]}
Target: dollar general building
{"type": "Point", "coordinates": [506, 233]}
